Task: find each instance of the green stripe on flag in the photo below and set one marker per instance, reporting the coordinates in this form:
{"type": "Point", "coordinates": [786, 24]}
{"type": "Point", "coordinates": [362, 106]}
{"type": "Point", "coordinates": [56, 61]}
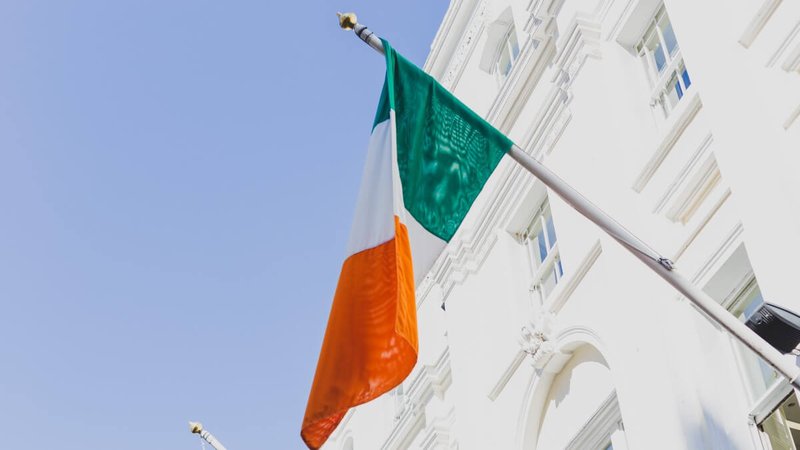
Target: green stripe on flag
{"type": "Point", "coordinates": [445, 152]}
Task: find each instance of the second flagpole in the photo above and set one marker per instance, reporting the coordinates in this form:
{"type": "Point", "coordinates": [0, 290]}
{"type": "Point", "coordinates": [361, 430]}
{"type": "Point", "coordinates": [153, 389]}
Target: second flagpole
{"type": "Point", "coordinates": [660, 265]}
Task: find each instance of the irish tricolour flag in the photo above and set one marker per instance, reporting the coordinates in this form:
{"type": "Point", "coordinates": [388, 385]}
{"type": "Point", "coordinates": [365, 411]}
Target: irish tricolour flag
{"type": "Point", "coordinates": [429, 156]}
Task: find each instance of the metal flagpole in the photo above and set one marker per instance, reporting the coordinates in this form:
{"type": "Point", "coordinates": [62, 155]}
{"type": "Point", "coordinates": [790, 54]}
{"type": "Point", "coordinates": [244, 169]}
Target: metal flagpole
{"type": "Point", "coordinates": [660, 265]}
{"type": "Point", "coordinates": [197, 428]}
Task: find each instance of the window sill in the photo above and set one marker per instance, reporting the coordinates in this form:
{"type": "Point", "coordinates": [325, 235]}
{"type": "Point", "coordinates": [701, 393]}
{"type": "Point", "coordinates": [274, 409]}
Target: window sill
{"type": "Point", "coordinates": [676, 123]}
{"type": "Point", "coordinates": [770, 401]}
{"type": "Point", "coordinates": [570, 282]}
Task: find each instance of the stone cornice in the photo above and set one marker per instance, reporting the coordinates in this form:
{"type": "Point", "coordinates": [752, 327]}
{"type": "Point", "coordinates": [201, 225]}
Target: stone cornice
{"type": "Point", "coordinates": [449, 31]}
{"type": "Point", "coordinates": [427, 381]}
{"type": "Point", "coordinates": [466, 46]}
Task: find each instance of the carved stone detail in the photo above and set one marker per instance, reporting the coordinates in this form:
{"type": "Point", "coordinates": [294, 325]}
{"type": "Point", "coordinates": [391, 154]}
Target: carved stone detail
{"type": "Point", "coordinates": [536, 340]}
{"type": "Point", "coordinates": [465, 47]}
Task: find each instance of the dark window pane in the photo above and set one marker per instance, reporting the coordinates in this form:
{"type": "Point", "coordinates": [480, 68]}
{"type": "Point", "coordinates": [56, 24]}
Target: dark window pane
{"type": "Point", "coordinates": [678, 89]}
{"type": "Point", "coordinates": [686, 81]}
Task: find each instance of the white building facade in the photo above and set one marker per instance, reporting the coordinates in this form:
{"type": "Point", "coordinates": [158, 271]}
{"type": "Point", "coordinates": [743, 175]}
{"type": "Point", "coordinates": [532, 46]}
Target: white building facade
{"type": "Point", "coordinates": [537, 331]}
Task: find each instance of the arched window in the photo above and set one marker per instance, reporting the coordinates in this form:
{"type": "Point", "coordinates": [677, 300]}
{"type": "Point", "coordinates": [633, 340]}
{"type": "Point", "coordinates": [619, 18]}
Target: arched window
{"type": "Point", "coordinates": [581, 410]}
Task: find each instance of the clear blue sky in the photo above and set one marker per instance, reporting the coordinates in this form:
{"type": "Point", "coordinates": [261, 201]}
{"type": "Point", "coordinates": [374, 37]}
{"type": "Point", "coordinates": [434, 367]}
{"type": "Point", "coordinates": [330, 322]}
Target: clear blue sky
{"type": "Point", "coordinates": [177, 182]}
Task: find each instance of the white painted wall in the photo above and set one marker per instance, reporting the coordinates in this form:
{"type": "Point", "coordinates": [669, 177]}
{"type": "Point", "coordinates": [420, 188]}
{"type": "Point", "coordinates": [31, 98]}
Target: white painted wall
{"type": "Point", "coordinates": [716, 177]}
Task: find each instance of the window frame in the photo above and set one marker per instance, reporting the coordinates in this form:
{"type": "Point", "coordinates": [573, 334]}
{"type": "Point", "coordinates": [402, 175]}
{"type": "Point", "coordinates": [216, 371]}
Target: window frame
{"type": "Point", "coordinates": [674, 65]}
{"type": "Point", "coordinates": [768, 405]}
{"type": "Point", "coordinates": [776, 392]}
{"type": "Point", "coordinates": [552, 261]}
{"type": "Point", "coordinates": [733, 303]}
{"type": "Point", "coordinates": [512, 51]}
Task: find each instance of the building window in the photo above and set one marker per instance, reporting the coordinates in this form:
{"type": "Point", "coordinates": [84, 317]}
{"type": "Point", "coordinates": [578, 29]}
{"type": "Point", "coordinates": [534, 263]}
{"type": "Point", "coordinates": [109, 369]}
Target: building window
{"type": "Point", "coordinates": [758, 375]}
{"type": "Point", "coordinates": [507, 55]}
{"type": "Point", "coordinates": [541, 242]}
{"type": "Point", "coordinates": [781, 429]}
{"type": "Point", "coordinates": [775, 412]}
{"type": "Point", "coordinates": [661, 56]}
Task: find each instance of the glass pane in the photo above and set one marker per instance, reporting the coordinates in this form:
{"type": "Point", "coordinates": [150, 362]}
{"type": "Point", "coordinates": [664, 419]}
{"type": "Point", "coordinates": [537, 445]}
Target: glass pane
{"type": "Point", "coordinates": [551, 231]}
{"type": "Point", "coordinates": [504, 63]}
{"type": "Point", "coordinates": [685, 75]}
{"type": "Point", "coordinates": [659, 59]}
{"type": "Point", "coordinates": [542, 246]}
{"type": "Point", "coordinates": [759, 374]}
{"type": "Point", "coordinates": [559, 268]}
{"type": "Point", "coordinates": [669, 35]}
{"type": "Point", "coordinates": [748, 303]}
{"type": "Point", "coordinates": [512, 42]}
{"type": "Point", "coordinates": [657, 53]}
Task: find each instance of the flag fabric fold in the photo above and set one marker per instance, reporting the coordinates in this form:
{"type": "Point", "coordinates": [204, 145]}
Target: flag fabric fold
{"type": "Point", "coordinates": [428, 158]}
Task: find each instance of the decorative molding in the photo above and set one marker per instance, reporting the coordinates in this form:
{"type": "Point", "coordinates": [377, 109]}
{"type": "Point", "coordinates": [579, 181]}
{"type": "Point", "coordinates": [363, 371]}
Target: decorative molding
{"type": "Point", "coordinates": [581, 41]}
{"type": "Point", "coordinates": [470, 246]}
{"type": "Point", "coordinates": [535, 56]}
{"type": "Point", "coordinates": [468, 250]}
{"type": "Point", "coordinates": [466, 46]}
{"type": "Point", "coordinates": [792, 118]}
{"type": "Point", "coordinates": [695, 192]}
{"type": "Point", "coordinates": [539, 14]}
{"type": "Point", "coordinates": [758, 22]}
{"type": "Point", "coordinates": [525, 75]}
{"type": "Point", "coordinates": [536, 340]}
{"type": "Point", "coordinates": [437, 435]}
{"type": "Point", "coordinates": [682, 119]}
{"type": "Point", "coordinates": [623, 18]}
{"type": "Point", "coordinates": [792, 62]}
{"type": "Point", "coordinates": [702, 151]}
{"type": "Point", "coordinates": [731, 240]}
{"type": "Point", "coordinates": [596, 432]}
{"type": "Point", "coordinates": [549, 124]}
{"type": "Point", "coordinates": [405, 430]}
{"type": "Point", "coordinates": [574, 279]}
{"type": "Point", "coordinates": [568, 340]}
{"type": "Point", "coordinates": [507, 374]}
{"type": "Point", "coordinates": [696, 232]}
{"type": "Point", "coordinates": [417, 391]}
{"type": "Point", "coordinates": [783, 48]}
{"type": "Point", "coordinates": [445, 31]}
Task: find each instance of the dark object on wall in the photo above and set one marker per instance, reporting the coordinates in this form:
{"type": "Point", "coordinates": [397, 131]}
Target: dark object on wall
{"type": "Point", "coordinates": [778, 326]}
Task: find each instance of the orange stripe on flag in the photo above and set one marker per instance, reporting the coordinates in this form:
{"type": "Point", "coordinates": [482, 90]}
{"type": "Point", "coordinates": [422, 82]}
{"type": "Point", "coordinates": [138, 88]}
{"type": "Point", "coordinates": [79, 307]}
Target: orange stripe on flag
{"type": "Point", "coordinates": [370, 344]}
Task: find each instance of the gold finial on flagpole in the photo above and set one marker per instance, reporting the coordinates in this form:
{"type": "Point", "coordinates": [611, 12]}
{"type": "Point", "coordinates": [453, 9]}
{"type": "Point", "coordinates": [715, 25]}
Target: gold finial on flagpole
{"type": "Point", "coordinates": [195, 427]}
{"type": "Point", "coordinates": [347, 21]}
